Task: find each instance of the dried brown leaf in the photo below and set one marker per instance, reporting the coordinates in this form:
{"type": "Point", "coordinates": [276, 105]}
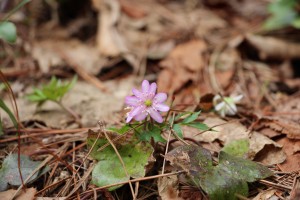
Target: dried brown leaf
{"type": "Point", "coordinates": [261, 147]}
{"type": "Point", "coordinates": [290, 128]}
{"type": "Point", "coordinates": [183, 64]}
{"type": "Point", "coordinates": [168, 187]}
{"type": "Point", "coordinates": [267, 194]}
{"type": "Point", "coordinates": [290, 147]}
{"type": "Point", "coordinates": [270, 47]}
{"type": "Point", "coordinates": [28, 194]}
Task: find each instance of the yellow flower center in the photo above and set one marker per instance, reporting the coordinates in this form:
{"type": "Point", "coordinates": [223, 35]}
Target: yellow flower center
{"type": "Point", "coordinates": [148, 102]}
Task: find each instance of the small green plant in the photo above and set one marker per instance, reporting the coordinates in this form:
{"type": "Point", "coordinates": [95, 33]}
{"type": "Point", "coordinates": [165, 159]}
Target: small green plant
{"type": "Point", "coordinates": [283, 13]}
{"type": "Point", "coordinates": [10, 114]}
{"type": "Point", "coordinates": [54, 91]}
{"type": "Point", "coordinates": [8, 31]}
{"type": "Point", "coordinates": [135, 141]}
{"type": "Point", "coordinates": [124, 153]}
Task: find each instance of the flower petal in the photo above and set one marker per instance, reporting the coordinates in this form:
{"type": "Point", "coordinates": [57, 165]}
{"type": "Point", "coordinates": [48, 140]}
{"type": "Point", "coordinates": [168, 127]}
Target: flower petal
{"type": "Point", "coordinates": [129, 118]}
{"type": "Point", "coordinates": [160, 97]}
{"type": "Point", "coordinates": [138, 94]}
{"type": "Point", "coordinates": [231, 109]}
{"type": "Point", "coordinates": [219, 106]}
{"type": "Point", "coordinates": [161, 107]}
{"type": "Point", "coordinates": [132, 101]}
{"type": "Point", "coordinates": [153, 88]}
{"type": "Point", "coordinates": [145, 86]}
{"type": "Point", "coordinates": [237, 98]}
{"type": "Point", "coordinates": [155, 115]}
{"type": "Point", "coordinates": [135, 111]}
{"type": "Point", "coordinates": [141, 116]}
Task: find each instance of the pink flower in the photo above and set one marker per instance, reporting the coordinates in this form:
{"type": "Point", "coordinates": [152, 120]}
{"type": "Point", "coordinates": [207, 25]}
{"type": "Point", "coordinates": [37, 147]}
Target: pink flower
{"type": "Point", "coordinates": [146, 102]}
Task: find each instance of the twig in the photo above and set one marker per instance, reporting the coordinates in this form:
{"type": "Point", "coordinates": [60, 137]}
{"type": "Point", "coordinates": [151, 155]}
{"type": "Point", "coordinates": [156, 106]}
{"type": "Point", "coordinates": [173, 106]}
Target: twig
{"type": "Point", "coordinates": [275, 185]}
{"type": "Point", "coordinates": [50, 132]}
{"type": "Point", "coordinates": [85, 176]}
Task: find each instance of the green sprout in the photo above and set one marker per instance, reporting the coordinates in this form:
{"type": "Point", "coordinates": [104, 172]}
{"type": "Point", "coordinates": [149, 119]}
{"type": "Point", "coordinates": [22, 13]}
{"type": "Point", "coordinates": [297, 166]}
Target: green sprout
{"type": "Point", "coordinates": [54, 91]}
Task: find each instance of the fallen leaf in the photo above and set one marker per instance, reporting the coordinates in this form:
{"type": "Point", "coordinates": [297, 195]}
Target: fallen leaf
{"type": "Point", "coordinates": [160, 50]}
{"type": "Point", "coordinates": [265, 150]}
{"type": "Point", "coordinates": [290, 109]}
{"type": "Point", "coordinates": [184, 63]}
{"type": "Point", "coordinates": [269, 151]}
{"type": "Point", "coordinates": [292, 162]}
{"type": "Point", "coordinates": [265, 195]}
{"type": "Point", "coordinates": [271, 47]}
{"type": "Point", "coordinates": [221, 182]}
{"type": "Point", "coordinates": [238, 148]}
{"type": "Point", "coordinates": [224, 131]}
{"type": "Point", "coordinates": [132, 9]}
{"type": "Point", "coordinates": [288, 127]}
{"type": "Point", "coordinates": [9, 171]}
{"type": "Point", "coordinates": [28, 194]}
{"type": "Point", "coordinates": [48, 53]}
{"type": "Point", "coordinates": [168, 188]}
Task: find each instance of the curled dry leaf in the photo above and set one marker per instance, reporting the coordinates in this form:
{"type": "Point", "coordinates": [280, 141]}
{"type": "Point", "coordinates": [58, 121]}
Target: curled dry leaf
{"type": "Point", "coordinates": [182, 65]}
{"type": "Point", "coordinates": [290, 109]}
{"type": "Point", "coordinates": [288, 127]}
{"type": "Point", "coordinates": [290, 147]}
{"type": "Point", "coordinates": [265, 150]}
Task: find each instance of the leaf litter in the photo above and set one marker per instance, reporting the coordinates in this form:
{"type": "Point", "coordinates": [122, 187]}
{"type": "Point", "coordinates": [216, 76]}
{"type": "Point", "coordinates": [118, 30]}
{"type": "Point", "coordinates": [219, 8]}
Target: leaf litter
{"type": "Point", "coordinates": [192, 49]}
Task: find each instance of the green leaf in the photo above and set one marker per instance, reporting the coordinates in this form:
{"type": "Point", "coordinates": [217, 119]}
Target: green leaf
{"type": "Point", "coordinates": [9, 173]}
{"type": "Point", "coordinates": [191, 118]}
{"type": "Point", "coordinates": [181, 115]}
{"type": "Point", "coordinates": [121, 130]}
{"type": "Point", "coordinates": [283, 13]}
{"type": "Point", "coordinates": [178, 130]}
{"type": "Point", "coordinates": [296, 23]}
{"type": "Point", "coordinates": [220, 182]}
{"type": "Point", "coordinates": [198, 125]}
{"type": "Point", "coordinates": [8, 31]}
{"type": "Point", "coordinates": [109, 169]}
{"type": "Point", "coordinates": [54, 91]}
{"type": "Point", "coordinates": [154, 133]}
{"type": "Point", "coordinates": [243, 169]}
{"type": "Point", "coordinates": [10, 114]}
{"type": "Point", "coordinates": [237, 148]}
{"type": "Point", "coordinates": [219, 185]}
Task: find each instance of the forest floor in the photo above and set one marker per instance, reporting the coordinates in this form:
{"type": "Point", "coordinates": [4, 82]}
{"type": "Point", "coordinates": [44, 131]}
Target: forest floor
{"type": "Point", "coordinates": [194, 51]}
